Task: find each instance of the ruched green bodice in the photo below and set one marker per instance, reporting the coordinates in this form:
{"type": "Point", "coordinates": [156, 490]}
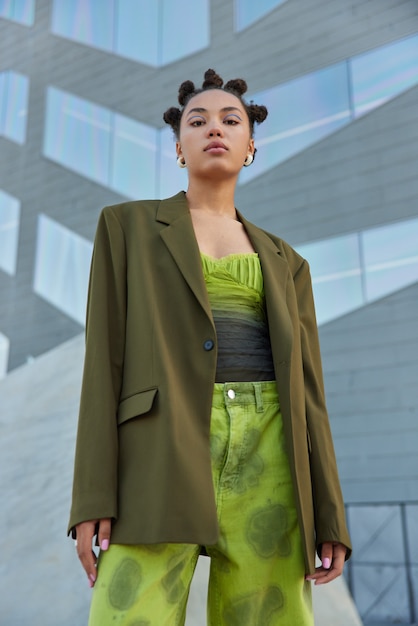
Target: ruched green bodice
{"type": "Point", "coordinates": [236, 295]}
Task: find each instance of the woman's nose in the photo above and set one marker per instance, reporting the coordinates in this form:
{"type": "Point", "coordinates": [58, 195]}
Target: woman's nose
{"type": "Point", "coordinates": [215, 130]}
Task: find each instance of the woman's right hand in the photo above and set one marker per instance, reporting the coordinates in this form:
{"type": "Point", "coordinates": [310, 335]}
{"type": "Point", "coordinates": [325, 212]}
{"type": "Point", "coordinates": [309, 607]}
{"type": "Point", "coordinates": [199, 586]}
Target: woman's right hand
{"type": "Point", "coordinates": [85, 532]}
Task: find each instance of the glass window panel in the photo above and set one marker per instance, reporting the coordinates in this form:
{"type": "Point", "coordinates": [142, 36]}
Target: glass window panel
{"type": "Point", "coordinates": [3, 100]}
{"type": "Point", "coordinates": [7, 9]}
{"type": "Point", "coordinates": [62, 266]}
{"type": "Point", "coordinates": [383, 73]}
{"type": "Point", "coordinates": [9, 232]}
{"type": "Point", "coordinates": [172, 179]}
{"type": "Point", "coordinates": [137, 30]}
{"type": "Point", "coordinates": [336, 275]}
{"type": "Point", "coordinates": [185, 28]}
{"type": "Point", "coordinates": [78, 135]}
{"type": "Point", "coordinates": [14, 90]}
{"type": "Point", "coordinates": [390, 255]}
{"type": "Point", "coordinates": [301, 112]}
{"type": "Point", "coordinates": [22, 11]}
{"type": "Point", "coordinates": [4, 354]}
{"type": "Point", "coordinates": [87, 21]}
{"type": "Point", "coordinates": [248, 11]}
{"type": "Point", "coordinates": [134, 158]}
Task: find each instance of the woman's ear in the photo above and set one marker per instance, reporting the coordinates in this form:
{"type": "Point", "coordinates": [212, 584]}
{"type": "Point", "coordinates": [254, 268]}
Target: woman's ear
{"type": "Point", "coordinates": [251, 147]}
{"type": "Point", "coordinates": [178, 149]}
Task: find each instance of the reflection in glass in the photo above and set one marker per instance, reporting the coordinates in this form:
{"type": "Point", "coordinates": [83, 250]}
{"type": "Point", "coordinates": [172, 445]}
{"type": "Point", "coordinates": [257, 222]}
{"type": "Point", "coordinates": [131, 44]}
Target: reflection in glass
{"type": "Point", "coordinates": [383, 73]}
{"type": "Point", "coordinates": [390, 257]}
{"type": "Point", "coordinates": [14, 91]}
{"type": "Point", "coordinates": [248, 11]}
{"type": "Point", "coordinates": [77, 135]}
{"type": "Point", "coordinates": [22, 11]}
{"type": "Point", "coordinates": [106, 147]}
{"type": "Point", "coordinates": [185, 28]}
{"type": "Point", "coordinates": [87, 21]}
{"type": "Point", "coordinates": [304, 111]}
{"type": "Point", "coordinates": [137, 29]}
{"type": "Point", "coordinates": [4, 354]}
{"type": "Point", "coordinates": [155, 32]}
{"type": "Point", "coordinates": [9, 232]}
{"type": "Point", "coordinates": [134, 158]}
{"type": "Point", "coordinates": [62, 268]}
{"type": "Point", "coordinates": [171, 178]}
{"type": "Point", "coordinates": [351, 270]}
{"type": "Point", "coordinates": [336, 275]}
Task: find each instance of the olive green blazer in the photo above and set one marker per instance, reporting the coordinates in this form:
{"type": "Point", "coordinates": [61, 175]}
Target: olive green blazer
{"type": "Point", "coordinates": [142, 453]}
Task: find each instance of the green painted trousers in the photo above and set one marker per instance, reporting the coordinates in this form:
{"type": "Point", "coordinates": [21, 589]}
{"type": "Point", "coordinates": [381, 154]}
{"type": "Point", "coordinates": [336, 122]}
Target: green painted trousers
{"type": "Point", "coordinates": [257, 569]}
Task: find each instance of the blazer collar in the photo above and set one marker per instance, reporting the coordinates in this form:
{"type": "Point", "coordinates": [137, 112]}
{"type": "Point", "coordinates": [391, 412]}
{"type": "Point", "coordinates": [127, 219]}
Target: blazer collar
{"type": "Point", "coordinates": [180, 239]}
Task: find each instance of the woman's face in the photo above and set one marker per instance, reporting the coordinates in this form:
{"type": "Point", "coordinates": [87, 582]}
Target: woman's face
{"type": "Point", "coordinates": [214, 135]}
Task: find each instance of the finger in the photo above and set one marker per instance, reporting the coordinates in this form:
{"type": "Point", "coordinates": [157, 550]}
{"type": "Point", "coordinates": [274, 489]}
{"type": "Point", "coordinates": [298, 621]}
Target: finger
{"type": "Point", "coordinates": [322, 575]}
{"type": "Point", "coordinates": [105, 529]}
{"type": "Point", "coordinates": [85, 533]}
{"type": "Point", "coordinates": [327, 554]}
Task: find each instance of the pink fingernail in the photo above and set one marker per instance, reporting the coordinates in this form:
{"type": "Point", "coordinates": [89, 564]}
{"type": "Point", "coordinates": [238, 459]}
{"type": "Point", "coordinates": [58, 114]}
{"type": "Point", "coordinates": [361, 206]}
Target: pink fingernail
{"type": "Point", "coordinates": [326, 563]}
{"type": "Point", "coordinates": [92, 578]}
{"type": "Point", "coordinates": [105, 544]}
{"type": "Point", "coordinates": [90, 583]}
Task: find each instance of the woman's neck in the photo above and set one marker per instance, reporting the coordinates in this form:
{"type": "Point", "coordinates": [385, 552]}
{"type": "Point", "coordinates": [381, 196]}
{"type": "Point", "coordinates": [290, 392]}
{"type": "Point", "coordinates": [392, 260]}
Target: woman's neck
{"type": "Point", "coordinates": [216, 199]}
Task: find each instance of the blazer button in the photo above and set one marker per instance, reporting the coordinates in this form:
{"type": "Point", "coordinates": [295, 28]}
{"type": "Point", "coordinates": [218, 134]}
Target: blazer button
{"type": "Point", "coordinates": [208, 345]}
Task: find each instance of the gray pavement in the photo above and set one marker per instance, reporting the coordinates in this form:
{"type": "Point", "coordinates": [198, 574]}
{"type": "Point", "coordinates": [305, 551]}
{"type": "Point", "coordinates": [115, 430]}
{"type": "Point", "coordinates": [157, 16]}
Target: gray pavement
{"type": "Point", "coordinates": [41, 580]}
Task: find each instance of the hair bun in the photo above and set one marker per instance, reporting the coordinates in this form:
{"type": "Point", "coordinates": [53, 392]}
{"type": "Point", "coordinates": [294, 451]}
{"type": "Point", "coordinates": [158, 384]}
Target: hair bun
{"type": "Point", "coordinates": [185, 90]}
{"type": "Point", "coordinates": [238, 85]}
{"type": "Point", "coordinates": [212, 79]}
{"type": "Point", "coordinates": [172, 116]}
{"type": "Point", "coordinates": [258, 112]}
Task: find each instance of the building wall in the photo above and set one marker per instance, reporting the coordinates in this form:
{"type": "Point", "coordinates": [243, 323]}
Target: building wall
{"type": "Point", "coordinates": [362, 176]}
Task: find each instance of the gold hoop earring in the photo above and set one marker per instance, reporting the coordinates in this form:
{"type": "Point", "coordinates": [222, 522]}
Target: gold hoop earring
{"type": "Point", "coordinates": [181, 162]}
{"type": "Point", "coordinates": [248, 160]}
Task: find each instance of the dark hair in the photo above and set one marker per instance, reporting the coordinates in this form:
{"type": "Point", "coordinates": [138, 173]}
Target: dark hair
{"type": "Point", "coordinates": [236, 86]}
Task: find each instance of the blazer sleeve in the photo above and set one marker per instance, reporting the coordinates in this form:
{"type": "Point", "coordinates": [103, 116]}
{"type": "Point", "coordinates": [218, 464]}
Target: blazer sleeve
{"type": "Point", "coordinates": [330, 524]}
{"type": "Point", "coordinates": [95, 471]}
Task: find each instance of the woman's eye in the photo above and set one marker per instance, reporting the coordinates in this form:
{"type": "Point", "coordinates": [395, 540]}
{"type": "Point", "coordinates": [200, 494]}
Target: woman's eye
{"type": "Point", "coordinates": [231, 122]}
{"type": "Point", "coordinates": [197, 123]}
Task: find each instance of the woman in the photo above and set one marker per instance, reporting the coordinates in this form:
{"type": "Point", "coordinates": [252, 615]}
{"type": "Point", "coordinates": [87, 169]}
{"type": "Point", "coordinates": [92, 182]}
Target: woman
{"type": "Point", "coordinates": [203, 426]}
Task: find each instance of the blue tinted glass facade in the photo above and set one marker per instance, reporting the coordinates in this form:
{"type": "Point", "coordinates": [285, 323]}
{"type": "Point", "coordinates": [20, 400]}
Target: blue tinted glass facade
{"type": "Point", "coordinates": [352, 270]}
{"type": "Point", "coordinates": [78, 135]}
{"type": "Point", "coordinates": [306, 110]}
{"type": "Point", "coordinates": [85, 21]}
{"type": "Point", "coordinates": [62, 268]}
{"type": "Point", "coordinates": [311, 107]}
{"type": "Point", "coordinates": [248, 11]}
{"type": "Point", "coordinates": [110, 149]}
{"type": "Point", "coordinates": [383, 73]}
{"type": "Point", "coordinates": [134, 158]}
{"type": "Point", "coordinates": [9, 232]}
{"type": "Point", "coordinates": [154, 33]}
{"type": "Point", "coordinates": [22, 11]}
{"type": "Point", "coordinates": [137, 31]}
{"type": "Point", "coordinates": [14, 92]}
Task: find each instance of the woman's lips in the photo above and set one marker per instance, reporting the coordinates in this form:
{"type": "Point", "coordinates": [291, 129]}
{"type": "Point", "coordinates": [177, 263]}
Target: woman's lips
{"type": "Point", "coordinates": [216, 147]}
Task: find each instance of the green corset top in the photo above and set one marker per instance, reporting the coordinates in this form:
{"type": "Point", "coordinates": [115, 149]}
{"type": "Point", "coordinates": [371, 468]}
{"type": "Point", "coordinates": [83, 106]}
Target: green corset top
{"type": "Point", "coordinates": [236, 295]}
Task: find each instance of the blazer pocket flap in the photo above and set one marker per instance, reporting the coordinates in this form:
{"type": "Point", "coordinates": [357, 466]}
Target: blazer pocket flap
{"type": "Point", "coordinates": [135, 405]}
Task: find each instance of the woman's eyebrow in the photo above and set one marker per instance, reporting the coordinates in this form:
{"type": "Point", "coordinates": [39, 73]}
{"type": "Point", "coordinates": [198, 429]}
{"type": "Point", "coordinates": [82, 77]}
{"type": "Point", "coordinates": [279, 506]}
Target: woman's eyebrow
{"type": "Point", "coordinates": [203, 110]}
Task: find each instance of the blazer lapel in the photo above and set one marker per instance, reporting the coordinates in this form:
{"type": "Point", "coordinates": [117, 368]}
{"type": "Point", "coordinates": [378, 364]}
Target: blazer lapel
{"type": "Point", "coordinates": [275, 276]}
{"type": "Point", "coordinates": [180, 239]}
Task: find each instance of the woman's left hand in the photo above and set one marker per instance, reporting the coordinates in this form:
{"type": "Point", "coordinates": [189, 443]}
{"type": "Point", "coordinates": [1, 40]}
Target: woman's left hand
{"type": "Point", "coordinates": [333, 559]}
